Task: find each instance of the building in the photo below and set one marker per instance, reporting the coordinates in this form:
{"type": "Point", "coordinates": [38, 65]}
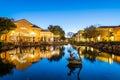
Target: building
{"type": "Point", "coordinates": [28, 32]}
{"type": "Point", "coordinates": [106, 33]}
{"type": "Point", "coordinates": [79, 36]}
{"type": "Point", "coordinates": [25, 32]}
{"type": "Point", "coordinates": [109, 33]}
{"type": "Point", "coordinates": [46, 36]}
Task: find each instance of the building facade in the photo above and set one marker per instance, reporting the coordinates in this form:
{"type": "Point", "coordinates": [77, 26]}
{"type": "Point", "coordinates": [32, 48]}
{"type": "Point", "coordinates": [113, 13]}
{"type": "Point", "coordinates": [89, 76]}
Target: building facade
{"type": "Point", "coordinates": [106, 33]}
{"type": "Point", "coordinates": [109, 33]}
{"type": "Point", "coordinates": [46, 36]}
{"type": "Point", "coordinates": [27, 32]}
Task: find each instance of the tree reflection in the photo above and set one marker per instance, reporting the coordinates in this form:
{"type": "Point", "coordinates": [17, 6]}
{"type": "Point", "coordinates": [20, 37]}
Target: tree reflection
{"type": "Point", "coordinates": [57, 57]}
{"type": "Point", "coordinates": [55, 51]}
{"type": "Point", "coordinates": [43, 48]}
{"type": "Point", "coordinates": [6, 68]}
{"type": "Point", "coordinates": [90, 53]}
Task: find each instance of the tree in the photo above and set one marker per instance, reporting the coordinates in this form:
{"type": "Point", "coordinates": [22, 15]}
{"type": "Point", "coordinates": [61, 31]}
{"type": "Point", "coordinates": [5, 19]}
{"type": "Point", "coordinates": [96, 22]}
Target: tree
{"type": "Point", "coordinates": [91, 32]}
{"type": "Point", "coordinates": [85, 34]}
{"type": "Point", "coordinates": [57, 30]}
{"type": "Point", "coordinates": [6, 25]}
{"type": "Point", "coordinates": [70, 34]}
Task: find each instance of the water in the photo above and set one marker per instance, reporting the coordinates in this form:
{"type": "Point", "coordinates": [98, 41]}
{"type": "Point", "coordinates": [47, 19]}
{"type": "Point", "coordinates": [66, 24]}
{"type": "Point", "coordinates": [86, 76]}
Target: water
{"type": "Point", "coordinates": [49, 63]}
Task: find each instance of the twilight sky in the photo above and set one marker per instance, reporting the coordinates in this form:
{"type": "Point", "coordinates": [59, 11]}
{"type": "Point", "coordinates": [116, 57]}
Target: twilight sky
{"type": "Point", "coordinates": [71, 15]}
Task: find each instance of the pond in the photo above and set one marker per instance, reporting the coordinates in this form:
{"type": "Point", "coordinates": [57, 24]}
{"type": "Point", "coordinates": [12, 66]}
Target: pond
{"type": "Point", "coordinates": [50, 63]}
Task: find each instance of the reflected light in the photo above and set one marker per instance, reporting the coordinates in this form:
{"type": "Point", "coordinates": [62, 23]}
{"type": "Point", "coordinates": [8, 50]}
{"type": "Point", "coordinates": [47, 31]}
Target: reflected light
{"type": "Point", "coordinates": [110, 60]}
{"type": "Point", "coordinates": [91, 49]}
{"type": "Point", "coordinates": [80, 52]}
{"type": "Point", "coordinates": [113, 56]}
{"type": "Point", "coordinates": [13, 31]}
{"type": "Point", "coordinates": [51, 48]}
{"type": "Point", "coordinates": [32, 56]}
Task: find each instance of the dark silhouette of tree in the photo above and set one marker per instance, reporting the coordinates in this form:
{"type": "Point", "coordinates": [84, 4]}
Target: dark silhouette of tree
{"type": "Point", "coordinates": [90, 55]}
{"type": "Point", "coordinates": [6, 68]}
{"type": "Point", "coordinates": [70, 34]}
{"type": "Point", "coordinates": [57, 30]}
{"type": "Point", "coordinates": [6, 25]}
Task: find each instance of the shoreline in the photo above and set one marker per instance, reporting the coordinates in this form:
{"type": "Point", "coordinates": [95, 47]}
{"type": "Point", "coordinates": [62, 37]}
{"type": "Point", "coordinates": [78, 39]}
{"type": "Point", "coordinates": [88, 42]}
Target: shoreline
{"type": "Point", "coordinates": [10, 47]}
{"type": "Point", "coordinates": [103, 47]}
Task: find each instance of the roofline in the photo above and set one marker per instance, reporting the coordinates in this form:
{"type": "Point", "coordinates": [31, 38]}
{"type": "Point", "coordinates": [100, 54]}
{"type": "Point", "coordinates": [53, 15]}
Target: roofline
{"type": "Point", "coordinates": [29, 22]}
{"type": "Point", "coordinates": [109, 26]}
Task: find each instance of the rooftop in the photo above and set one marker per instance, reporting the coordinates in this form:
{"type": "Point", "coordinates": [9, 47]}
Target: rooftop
{"type": "Point", "coordinates": [109, 26]}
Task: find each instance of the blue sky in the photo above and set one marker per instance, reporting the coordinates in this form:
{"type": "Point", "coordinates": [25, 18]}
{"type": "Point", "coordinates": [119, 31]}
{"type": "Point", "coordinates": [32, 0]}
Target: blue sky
{"type": "Point", "coordinates": [71, 15]}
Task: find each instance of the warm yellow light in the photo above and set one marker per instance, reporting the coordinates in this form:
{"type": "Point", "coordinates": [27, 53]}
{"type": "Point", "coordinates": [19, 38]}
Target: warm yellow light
{"type": "Point", "coordinates": [98, 38]}
{"type": "Point", "coordinates": [112, 38]}
{"type": "Point", "coordinates": [92, 39]}
{"type": "Point", "coordinates": [110, 61]}
{"type": "Point", "coordinates": [91, 49]}
{"type": "Point", "coordinates": [32, 56]}
{"type": "Point", "coordinates": [80, 52]}
{"type": "Point", "coordinates": [13, 31]}
{"type": "Point", "coordinates": [113, 56]}
{"type": "Point", "coordinates": [32, 33]}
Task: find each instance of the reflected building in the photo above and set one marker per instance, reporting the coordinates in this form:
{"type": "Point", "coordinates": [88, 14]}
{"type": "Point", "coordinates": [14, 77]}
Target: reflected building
{"type": "Point", "coordinates": [116, 58]}
{"type": "Point", "coordinates": [90, 52]}
{"type": "Point", "coordinates": [22, 58]}
{"type": "Point", "coordinates": [105, 57]}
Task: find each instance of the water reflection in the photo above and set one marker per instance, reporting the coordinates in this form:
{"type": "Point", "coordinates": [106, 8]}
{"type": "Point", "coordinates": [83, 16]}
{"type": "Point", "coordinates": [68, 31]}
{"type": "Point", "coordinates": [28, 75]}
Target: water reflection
{"type": "Point", "coordinates": [72, 68]}
{"type": "Point", "coordinates": [92, 55]}
{"type": "Point", "coordinates": [50, 63]}
{"type": "Point", "coordinates": [22, 58]}
{"type": "Point", "coordinates": [6, 68]}
{"type": "Point", "coordinates": [73, 64]}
